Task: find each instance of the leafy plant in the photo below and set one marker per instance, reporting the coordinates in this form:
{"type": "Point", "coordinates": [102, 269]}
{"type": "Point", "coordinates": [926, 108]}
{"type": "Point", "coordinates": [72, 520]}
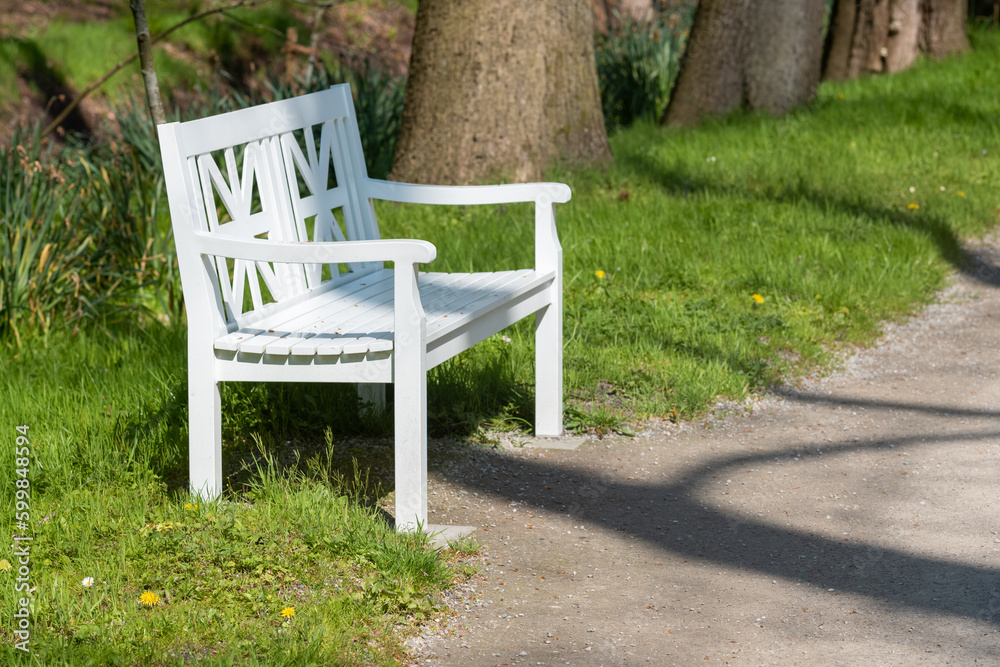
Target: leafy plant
{"type": "Point", "coordinates": [378, 102]}
{"type": "Point", "coordinates": [42, 274]}
{"type": "Point", "coordinates": [636, 67]}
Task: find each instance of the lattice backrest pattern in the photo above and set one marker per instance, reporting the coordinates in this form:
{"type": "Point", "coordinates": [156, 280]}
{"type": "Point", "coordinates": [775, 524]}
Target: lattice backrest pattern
{"type": "Point", "coordinates": [248, 202]}
{"type": "Point", "coordinates": [287, 171]}
{"type": "Point", "coordinates": [322, 182]}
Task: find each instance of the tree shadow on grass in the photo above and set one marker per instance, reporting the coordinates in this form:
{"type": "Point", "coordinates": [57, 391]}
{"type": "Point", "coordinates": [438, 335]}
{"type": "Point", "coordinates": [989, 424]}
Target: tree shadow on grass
{"type": "Point", "coordinates": [877, 110]}
{"type": "Point", "coordinates": [34, 67]}
{"type": "Point", "coordinates": [935, 228]}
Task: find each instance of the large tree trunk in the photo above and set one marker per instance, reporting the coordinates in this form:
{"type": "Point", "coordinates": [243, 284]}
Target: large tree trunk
{"type": "Point", "coordinates": [785, 54]}
{"type": "Point", "coordinates": [762, 54]}
{"type": "Point", "coordinates": [944, 27]}
{"type": "Point", "coordinates": [870, 36]}
{"type": "Point", "coordinates": [499, 90]}
{"type": "Point", "coordinates": [903, 35]}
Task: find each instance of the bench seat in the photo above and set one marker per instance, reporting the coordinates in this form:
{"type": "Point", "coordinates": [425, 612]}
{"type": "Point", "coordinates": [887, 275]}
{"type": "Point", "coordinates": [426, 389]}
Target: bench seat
{"type": "Point", "coordinates": [356, 317]}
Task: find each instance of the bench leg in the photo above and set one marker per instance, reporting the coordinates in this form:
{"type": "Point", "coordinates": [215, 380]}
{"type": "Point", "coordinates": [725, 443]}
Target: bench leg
{"type": "Point", "coordinates": [205, 437]}
{"type": "Point", "coordinates": [548, 372]}
{"type": "Point", "coordinates": [410, 408]}
{"type": "Point", "coordinates": [372, 393]}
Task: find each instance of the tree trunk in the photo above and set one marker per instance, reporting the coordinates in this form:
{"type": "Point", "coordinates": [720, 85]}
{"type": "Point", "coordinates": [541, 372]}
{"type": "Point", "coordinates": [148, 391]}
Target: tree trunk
{"type": "Point", "coordinates": [904, 33]}
{"type": "Point", "coordinates": [840, 39]}
{"type": "Point", "coordinates": [146, 62]}
{"type": "Point", "coordinates": [499, 90]}
{"type": "Point", "coordinates": [870, 36]}
{"type": "Point", "coordinates": [764, 54]}
{"type": "Point", "coordinates": [943, 29]}
{"type": "Point", "coordinates": [636, 11]}
{"type": "Point", "coordinates": [785, 54]}
{"type": "Point", "coordinates": [608, 14]}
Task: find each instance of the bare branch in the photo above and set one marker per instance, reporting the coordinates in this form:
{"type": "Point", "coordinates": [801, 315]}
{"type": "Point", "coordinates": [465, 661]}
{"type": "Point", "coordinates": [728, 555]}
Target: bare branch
{"type": "Point", "coordinates": [127, 61]}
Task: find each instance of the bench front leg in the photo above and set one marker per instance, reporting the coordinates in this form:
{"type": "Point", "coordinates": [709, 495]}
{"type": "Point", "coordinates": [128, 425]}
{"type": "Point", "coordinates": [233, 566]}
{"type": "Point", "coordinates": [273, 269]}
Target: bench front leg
{"type": "Point", "coordinates": [205, 427]}
{"type": "Point", "coordinates": [548, 326]}
{"type": "Point", "coordinates": [410, 401]}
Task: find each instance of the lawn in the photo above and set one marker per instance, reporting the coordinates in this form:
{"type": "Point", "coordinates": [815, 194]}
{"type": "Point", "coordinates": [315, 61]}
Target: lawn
{"type": "Point", "coordinates": [704, 264]}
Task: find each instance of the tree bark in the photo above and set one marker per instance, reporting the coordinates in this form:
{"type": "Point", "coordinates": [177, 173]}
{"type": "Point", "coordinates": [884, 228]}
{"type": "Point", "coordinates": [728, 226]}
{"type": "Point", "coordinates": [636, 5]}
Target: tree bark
{"type": "Point", "coordinates": [944, 23]}
{"type": "Point", "coordinates": [837, 61]}
{"type": "Point", "coordinates": [785, 54]}
{"type": "Point", "coordinates": [761, 54]}
{"type": "Point", "coordinates": [904, 34]}
{"type": "Point", "coordinates": [146, 62]}
{"type": "Point", "coordinates": [634, 11]}
{"type": "Point", "coordinates": [871, 36]}
{"type": "Point", "coordinates": [498, 90]}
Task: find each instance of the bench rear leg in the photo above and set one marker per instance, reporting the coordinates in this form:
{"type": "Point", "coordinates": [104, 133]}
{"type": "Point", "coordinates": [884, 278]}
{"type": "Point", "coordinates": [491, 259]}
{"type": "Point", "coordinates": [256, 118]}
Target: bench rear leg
{"type": "Point", "coordinates": [548, 371]}
{"type": "Point", "coordinates": [372, 393]}
{"type": "Point", "coordinates": [205, 437]}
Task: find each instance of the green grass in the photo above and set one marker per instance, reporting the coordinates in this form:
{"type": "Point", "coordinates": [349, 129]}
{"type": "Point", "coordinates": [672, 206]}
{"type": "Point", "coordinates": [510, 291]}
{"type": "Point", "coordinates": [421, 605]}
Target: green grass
{"type": "Point", "coordinates": [107, 432]}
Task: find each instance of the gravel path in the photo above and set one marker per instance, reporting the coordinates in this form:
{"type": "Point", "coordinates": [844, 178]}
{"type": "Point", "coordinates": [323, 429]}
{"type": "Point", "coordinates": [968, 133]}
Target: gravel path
{"type": "Point", "coordinates": [853, 520]}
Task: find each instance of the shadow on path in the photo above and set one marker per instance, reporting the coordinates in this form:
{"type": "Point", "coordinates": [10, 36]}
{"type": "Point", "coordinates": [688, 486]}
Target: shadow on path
{"type": "Point", "coordinates": [673, 517]}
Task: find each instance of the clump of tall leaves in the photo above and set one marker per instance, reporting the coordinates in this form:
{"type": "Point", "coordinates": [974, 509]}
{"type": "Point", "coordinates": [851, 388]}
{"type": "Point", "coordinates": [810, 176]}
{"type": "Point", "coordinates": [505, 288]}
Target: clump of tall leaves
{"type": "Point", "coordinates": [43, 275]}
{"type": "Point", "coordinates": [81, 236]}
{"type": "Point", "coordinates": [636, 67]}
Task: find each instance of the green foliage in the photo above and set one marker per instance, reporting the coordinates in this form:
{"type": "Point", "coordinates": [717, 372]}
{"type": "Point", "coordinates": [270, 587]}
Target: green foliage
{"type": "Point", "coordinates": [636, 66]}
{"type": "Point", "coordinates": [378, 103]}
{"type": "Point", "coordinates": [42, 275]}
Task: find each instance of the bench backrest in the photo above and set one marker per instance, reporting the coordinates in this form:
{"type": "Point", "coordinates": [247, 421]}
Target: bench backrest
{"type": "Point", "coordinates": [289, 171]}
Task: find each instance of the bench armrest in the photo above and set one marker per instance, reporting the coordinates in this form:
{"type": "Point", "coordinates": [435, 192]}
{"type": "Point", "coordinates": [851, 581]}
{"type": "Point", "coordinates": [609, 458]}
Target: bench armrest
{"type": "Point", "coordinates": [461, 195]}
{"type": "Point", "coordinates": [400, 251]}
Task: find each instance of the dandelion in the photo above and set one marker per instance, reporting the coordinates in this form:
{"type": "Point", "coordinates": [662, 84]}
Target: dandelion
{"type": "Point", "coordinates": [961, 194]}
{"type": "Point", "coordinates": [87, 582]}
{"type": "Point", "coordinates": [149, 599]}
{"type": "Point", "coordinates": [5, 565]}
{"type": "Point", "coordinates": [190, 507]}
{"type": "Point", "coordinates": [841, 96]}
{"type": "Point", "coordinates": [912, 189]}
{"type": "Point", "coordinates": [757, 298]}
{"type": "Point", "coordinates": [288, 612]}
{"type": "Point", "coordinates": [599, 273]}
{"type": "Point", "coordinates": [913, 207]}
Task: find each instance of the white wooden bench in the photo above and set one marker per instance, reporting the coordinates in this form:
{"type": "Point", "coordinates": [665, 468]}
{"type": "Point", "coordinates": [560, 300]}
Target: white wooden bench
{"type": "Point", "coordinates": [283, 276]}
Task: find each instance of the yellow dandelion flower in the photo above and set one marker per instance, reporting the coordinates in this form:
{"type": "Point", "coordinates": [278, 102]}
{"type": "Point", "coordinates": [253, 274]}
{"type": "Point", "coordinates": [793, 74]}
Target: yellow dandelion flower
{"type": "Point", "coordinates": [913, 207]}
{"type": "Point", "coordinates": [288, 612]}
{"type": "Point", "coordinates": [757, 298]}
{"type": "Point", "coordinates": [5, 565]}
{"type": "Point", "coordinates": [188, 506]}
{"type": "Point", "coordinates": [961, 194]}
{"type": "Point", "coordinates": [149, 599]}
{"type": "Point", "coordinates": [841, 96]}
{"type": "Point", "coordinates": [599, 273]}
